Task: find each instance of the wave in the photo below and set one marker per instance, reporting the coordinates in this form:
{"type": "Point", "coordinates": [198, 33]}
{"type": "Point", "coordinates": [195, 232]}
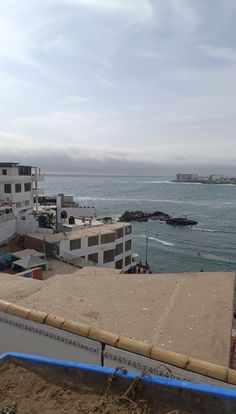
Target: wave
{"type": "Point", "coordinates": [143, 236]}
{"type": "Point", "coordinates": [165, 243]}
{"type": "Point", "coordinates": [204, 230]}
{"type": "Point", "coordinates": [151, 200]}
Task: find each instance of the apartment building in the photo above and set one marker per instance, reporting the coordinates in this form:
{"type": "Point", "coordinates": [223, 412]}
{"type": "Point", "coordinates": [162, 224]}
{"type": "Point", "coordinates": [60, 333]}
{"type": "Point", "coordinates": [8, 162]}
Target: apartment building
{"type": "Point", "coordinates": [18, 186]}
{"type": "Point", "coordinates": [105, 245]}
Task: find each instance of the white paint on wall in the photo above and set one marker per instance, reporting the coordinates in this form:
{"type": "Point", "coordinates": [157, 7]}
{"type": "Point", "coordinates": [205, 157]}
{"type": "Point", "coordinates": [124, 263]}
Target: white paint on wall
{"type": "Point", "coordinates": [21, 335]}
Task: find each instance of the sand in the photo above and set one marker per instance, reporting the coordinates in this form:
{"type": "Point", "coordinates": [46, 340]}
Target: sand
{"type": "Point", "coordinates": [25, 392]}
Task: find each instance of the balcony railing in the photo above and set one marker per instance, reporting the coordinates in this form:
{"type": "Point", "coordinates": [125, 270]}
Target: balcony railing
{"type": "Point", "coordinates": [38, 177]}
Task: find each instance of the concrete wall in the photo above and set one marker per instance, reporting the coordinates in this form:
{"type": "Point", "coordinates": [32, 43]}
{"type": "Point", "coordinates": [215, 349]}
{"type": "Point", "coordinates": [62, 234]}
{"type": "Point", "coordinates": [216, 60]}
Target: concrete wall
{"type": "Point", "coordinates": [20, 335]}
{"type": "Point", "coordinates": [7, 228]}
{"type": "Point", "coordinates": [29, 225]}
{"type": "Point", "coordinates": [35, 332]}
{"type": "Point", "coordinates": [32, 243]}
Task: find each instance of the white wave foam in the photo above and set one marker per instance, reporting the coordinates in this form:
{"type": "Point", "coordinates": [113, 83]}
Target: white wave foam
{"type": "Point", "coordinates": [204, 230]}
{"type": "Point", "coordinates": [164, 242]}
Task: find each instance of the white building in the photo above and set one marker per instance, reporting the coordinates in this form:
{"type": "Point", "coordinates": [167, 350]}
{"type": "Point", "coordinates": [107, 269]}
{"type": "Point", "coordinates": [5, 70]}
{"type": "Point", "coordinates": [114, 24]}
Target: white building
{"type": "Point", "coordinates": [104, 245]}
{"type": "Point", "coordinates": [18, 186]}
{"type": "Point", "coordinates": [66, 207]}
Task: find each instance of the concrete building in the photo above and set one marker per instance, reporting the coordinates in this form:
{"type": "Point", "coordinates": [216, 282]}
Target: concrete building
{"type": "Point", "coordinates": [66, 207]}
{"type": "Point", "coordinates": [104, 245]}
{"type": "Point", "coordinates": [186, 177]}
{"type": "Point", "coordinates": [18, 186]}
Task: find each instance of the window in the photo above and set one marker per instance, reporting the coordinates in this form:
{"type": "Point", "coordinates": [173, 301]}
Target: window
{"type": "Point", "coordinates": [27, 186]}
{"type": "Point", "coordinates": [127, 260]}
{"type": "Point", "coordinates": [7, 188]}
{"type": "Point", "coordinates": [119, 264]}
{"type": "Point", "coordinates": [119, 248]}
{"type": "Point", "coordinates": [75, 244]}
{"type": "Point", "coordinates": [93, 241]}
{"type": "Point", "coordinates": [24, 170]}
{"type": "Point", "coordinates": [107, 238]}
{"type": "Point", "coordinates": [128, 245]}
{"type": "Point", "coordinates": [27, 203]}
{"type": "Point", "coordinates": [17, 188]}
{"type": "Point", "coordinates": [93, 257]}
{"type": "Point", "coordinates": [18, 205]}
{"type": "Point", "coordinates": [108, 256]}
{"type": "Point", "coordinates": [4, 172]}
{"type": "Point", "coordinates": [120, 233]}
{"type": "Point", "coordinates": [128, 230]}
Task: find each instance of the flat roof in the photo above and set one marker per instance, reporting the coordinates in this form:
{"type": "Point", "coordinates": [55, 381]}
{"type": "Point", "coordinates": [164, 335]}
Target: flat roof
{"type": "Point", "coordinates": [85, 231]}
{"type": "Point", "coordinates": [9, 164]}
{"type": "Point", "coordinates": [189, 313]}
{"type": "Point", "coordinates": [27, 252]}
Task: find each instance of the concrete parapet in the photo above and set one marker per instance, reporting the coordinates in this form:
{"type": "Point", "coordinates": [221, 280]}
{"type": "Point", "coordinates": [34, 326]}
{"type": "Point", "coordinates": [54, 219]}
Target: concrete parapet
{"type": "Point", "coordinates": [37, 316]}
{"type": "Point", "coordinates": [169, 357]}
{"type": "Point", "coordinates": [54, 321]}
{"type": "Point", "coordinates": [231, 376]}
{"type": "Point", "coordinates": [4, 305]}
{"type": "Point", "coordinates": [207, 368]}
{"type": "Point", "coordinates": [138, 347]}
{"type": "Point", "coordinates": [18, 311]}
{"type": "Point", "coordinates": [124, 343]}
{"type": "Point", "coordinates": [103, 336]}
{"type": "Point", "coordinates": [76, 328]}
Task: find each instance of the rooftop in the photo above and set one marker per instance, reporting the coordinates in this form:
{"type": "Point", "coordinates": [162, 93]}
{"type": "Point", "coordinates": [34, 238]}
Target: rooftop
{"type": "Point", "coordinates": [27, 252]}
{"type": "Point", "coordinates": [8, 164]}
{"type": "Point", "coordinates": [189, 313]}
{"type": "Point", "coordinates": [85, 231]}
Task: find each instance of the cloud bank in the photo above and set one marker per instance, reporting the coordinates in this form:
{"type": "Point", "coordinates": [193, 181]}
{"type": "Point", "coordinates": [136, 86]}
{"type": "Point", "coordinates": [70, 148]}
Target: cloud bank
{"type": "Point", "coordinates": [118, 86]}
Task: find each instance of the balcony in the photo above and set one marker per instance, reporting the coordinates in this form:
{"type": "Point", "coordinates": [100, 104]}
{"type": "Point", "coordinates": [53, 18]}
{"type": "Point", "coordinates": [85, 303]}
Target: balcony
{"type": "Point", "coordinates": [38, 177]}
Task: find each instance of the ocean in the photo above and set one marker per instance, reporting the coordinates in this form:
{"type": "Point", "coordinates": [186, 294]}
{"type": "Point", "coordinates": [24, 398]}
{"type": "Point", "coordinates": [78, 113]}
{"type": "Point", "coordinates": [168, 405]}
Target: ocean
{"type": "Point", "coordinates": [169, 249]}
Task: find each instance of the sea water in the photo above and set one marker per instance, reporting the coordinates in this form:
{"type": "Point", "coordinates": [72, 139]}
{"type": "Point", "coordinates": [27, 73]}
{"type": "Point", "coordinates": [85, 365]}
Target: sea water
{"type": "Point", "coordinates": [169, 249]}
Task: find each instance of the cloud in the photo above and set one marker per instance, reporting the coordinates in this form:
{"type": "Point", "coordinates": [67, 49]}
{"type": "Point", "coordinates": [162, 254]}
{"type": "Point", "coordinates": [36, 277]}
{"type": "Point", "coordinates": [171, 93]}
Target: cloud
{"type": "Point", "coordinates": [219, 53]}
{"type": "Point", "coordinates": [141, 10]}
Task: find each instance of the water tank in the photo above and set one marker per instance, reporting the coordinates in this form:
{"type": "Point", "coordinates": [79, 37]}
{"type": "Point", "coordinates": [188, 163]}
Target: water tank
{"type": "Point", "coordinates": [71, 220]}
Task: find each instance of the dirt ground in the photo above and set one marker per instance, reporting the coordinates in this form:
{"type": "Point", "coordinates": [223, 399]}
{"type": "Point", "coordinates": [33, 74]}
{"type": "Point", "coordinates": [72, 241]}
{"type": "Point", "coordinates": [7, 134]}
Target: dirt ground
{"type": "Point", "coordinates": [24, 392]}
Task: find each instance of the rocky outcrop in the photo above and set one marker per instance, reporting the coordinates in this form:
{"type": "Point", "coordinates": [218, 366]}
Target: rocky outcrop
{"type": "Point", "coordinates": [140, 216]}
{"type": "Point", "coordinates": [181, 221]}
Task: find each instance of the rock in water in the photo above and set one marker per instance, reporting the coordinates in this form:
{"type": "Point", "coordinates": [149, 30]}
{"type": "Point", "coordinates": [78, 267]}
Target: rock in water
{"type": "Point", "coordinates": [181, 221]}
{"type": "Point", "coordinates": [140, 216]}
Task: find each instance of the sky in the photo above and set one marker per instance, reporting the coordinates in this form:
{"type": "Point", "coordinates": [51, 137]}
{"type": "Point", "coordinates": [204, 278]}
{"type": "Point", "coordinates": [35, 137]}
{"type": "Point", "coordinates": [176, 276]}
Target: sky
{"type": "Point", "coordinates": [119, 86]}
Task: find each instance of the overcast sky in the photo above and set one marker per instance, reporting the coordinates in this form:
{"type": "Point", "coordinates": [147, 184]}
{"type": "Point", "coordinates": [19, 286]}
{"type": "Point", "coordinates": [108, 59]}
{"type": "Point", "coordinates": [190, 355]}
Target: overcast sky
{"type": "Point", "coordinates": [139, 86]}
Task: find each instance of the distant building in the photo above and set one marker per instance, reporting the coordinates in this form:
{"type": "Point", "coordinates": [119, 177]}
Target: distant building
{"type": "Point", "coordinates": [186, 177]}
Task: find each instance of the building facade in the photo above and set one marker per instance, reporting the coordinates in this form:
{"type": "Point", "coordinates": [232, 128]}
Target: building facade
{"type": "Point", "coordinates": [107, 245]}
{"type": "Point", "coordinates": [18, 187]}
{"type": "Point", "coordinates": [66, 207]}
